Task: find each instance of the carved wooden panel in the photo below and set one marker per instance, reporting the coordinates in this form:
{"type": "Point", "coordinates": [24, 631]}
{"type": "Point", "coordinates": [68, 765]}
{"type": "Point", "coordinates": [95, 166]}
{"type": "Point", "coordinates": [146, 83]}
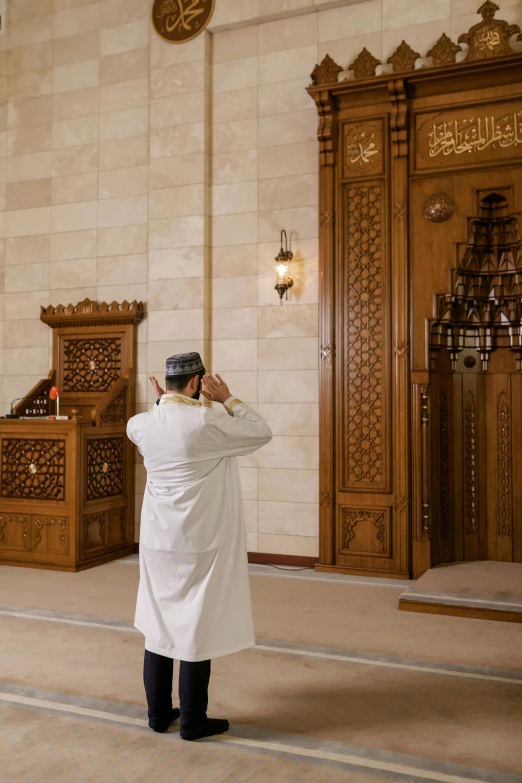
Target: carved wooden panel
{"type": "Point", "coordinates": [33, 469]}
{"type": "Point", "coordinates": [466, 136]}
{"type": "Point", "coordinates": [504, 488]}
{"type": "Point", "coordinates": [116, 525]}
{"type": "Point", "coordinates": [91, 365]}
{"type": "Point", "coordinates": [94, 531]}
{"type": "Point", "coordinates": [366, 532]}
{"type": "Point", "coordinates": [105, 467]}
{"type": "Point", "coordinates": [444, 467]}
{"type": "Point", "coordinates": [363, 148]}
{"type": "Point", "coordinates": [364, 410]}
{"type": "Point", "coordinates": [470, 465]}
{"type": "Point", "coordinates": [50, 534]}
{"type": "Point", "coordinates": [116, 411]}
{"type": "Point", "coordinates": [14, 531]}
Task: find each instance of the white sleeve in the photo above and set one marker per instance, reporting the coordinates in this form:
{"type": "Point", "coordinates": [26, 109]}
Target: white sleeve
{"type": "Point", "coordinates": [132, 433]}
{"type": "Point", "coordinates": [242, 431]}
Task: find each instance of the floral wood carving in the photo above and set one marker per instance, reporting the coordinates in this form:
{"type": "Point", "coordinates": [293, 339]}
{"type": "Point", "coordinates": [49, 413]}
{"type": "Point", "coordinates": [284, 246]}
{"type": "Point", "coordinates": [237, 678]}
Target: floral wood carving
{"type": "Point", "coordinates": [116, 411]}
{"type": "Point", "coordinates": [39, 522]}
{"type": "Point", "coordinates": [444, 467]}
{"type": "Point", "coordinates": [91, 365]}
{"type": "Point", "coordinates": [470, 465]}
{"type": "Point", "coordinates": [15, 519]}
{"type": "Point", "coordinates": [33, 469]}
{"type": "Point", "coordinates": [91, 313]}
{"type": "Point", "coordinates": [90, 522]}
{"type": "Point", "coordinates": [327, 499]}
{"type": "Point", "coordinates": [402, 504]}
{"type": "Point", "coordinates": [364, 338]}
{"type": "Point", "coordinates": [444, 52]}
{"type": "Point", "coordinates": [327, 72]}
{"type": "Point", "coordinates": [117, 517]}
{"type": "Point", "coordinates": [105, 467]}
{"type": "Point", "coordinates": [491, 37]}
{"type": "Point", "coordinates": [404, 58]}
{"type": "Point", "coordinates": [352, 519]}
{"type": "Point", "coordinates": [504, 466]}
{"type": "Point", "coordinates": [364, 65]}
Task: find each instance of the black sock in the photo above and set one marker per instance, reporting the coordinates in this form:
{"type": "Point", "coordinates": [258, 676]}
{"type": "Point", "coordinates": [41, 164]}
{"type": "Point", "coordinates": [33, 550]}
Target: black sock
{"type": "Point", "coordinates": [210, 727]}
{"type": "Point", "coordinates": [160, 728]}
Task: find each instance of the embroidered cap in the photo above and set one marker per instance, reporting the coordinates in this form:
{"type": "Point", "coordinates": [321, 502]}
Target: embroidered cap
{"type": "Point", "coordinates": [184, 364]}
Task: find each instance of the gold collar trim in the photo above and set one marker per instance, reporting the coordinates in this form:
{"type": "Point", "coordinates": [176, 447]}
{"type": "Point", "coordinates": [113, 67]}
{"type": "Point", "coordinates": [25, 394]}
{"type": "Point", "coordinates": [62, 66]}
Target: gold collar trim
{"type": "Point", "coordinates": [179, 399]}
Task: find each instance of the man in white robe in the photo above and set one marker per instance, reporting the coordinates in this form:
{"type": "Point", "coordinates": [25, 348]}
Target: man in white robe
{"type": "Point", "coordinates": [194, 595]}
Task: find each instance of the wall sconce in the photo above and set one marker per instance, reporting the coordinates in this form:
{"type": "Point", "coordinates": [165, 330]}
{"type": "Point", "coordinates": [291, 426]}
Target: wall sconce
{"type": "Point", "coordinates": [283, 258]}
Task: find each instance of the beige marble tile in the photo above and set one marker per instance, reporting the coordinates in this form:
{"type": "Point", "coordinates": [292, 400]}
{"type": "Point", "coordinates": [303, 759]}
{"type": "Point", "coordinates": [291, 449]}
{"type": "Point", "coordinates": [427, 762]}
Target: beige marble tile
{"type": "Point", "coordinates": [288, 518]}
{"type": "Point", "coordinates": [124, 153]}
{"type": "Point", "coordinates": [76, 104]}
{"type": "Point", "coordinates": [28, 222]}
{"type": "Point", "coordinates": [232, 167]}
{"type": "Point", "coordinates": [282, 8]}
{"type": "Point", "coordinates": [26, 195]}
{"type": "Point", "coordinates": [20, 10]}
{"type": "Point", "coordinates": [165, 323]}
{"type": "Point", "coordinates": [124, 67]}
{"type": "Point", "coordinates": [290, 451]}
{"type": "Point", "coordinates": [292, 418]}
{"type": "Point", "coordinates": [38, 57]}
{"type": "Point", "coordinates": [23, 361]}
{"type": "Point", "coordinates": [234, 323]}
{"type": "Point", "coordinates": [249, 507]}
{"type": "Point", "coordinates": [234, 136]}
{"type": "Point", "coordinates": [238, 355]}
{"type": "Point", "coordinates": [27, 250]}
{"type": "Point", "coordinates": [288, 353]}
{"type": "Point", "coordinates": [176, 262]}
{"type": "Point", "coordinates": [76, 48]}
{"type": "Point", "coordinates": [232, 292]}
{"type": "Point", "coordinates": [71, 274]}
{"type": "Point", "coordinates": [73, 245]}
{"type": "Point", "coordinates": [122, 240]}
{"type": "Point", "coordinates": [117, 12]}
{"type": "Point", "coordinates": [181, 170]}
{"type": "Point", "coordinates": [129, 211]}
{"type": "Point", "coordinates": [178, 109]}
{"type": "Point", "coordinates": [301, 546]}
{"type": "Point", "coordinates": [32, 30]}
{"type": "Point", "coordinates": [26, 277]}
{"type": "Point", "coordinates": [26, 334]}
{"type": "Point", "coordinates": [234, 75]}
{"type": "Point", "coordinates": [124, 124]}
{"type": "Point", "coordinates": [78, 187]}
{"type": "Point", "coordinates": [29, 85]}
{"type": "Point", "coordinates": [397, 13]}
{"type": "Point", "coordinates": [248, 477]}
{"type": "Point", "coordinates": [74, 217]}
{"type": "Point", "coordinates": [73, 21]}
{"type": "Point", "coordinates": [178, 79]}
{"type": "Point", "coordinates": [177, 140]}
{"type": "Point", "coordinates": [176, 202]}
{"type": "Point", "coordinates": [300, 223]}
{"type": "Point", "coordinates": [26, 141]}
{"type": "Point", "coordinates": [234, 229]}
{"type": "Point", "coordinates": [351, 20]}
{"type": "Point", "coordinates": [164, 54]}
{"type": "Point", "coordinates": [251, 538]}
{"type": "Point", "coordinates": [158, 351]}
{"type": "Point", "coordinates": [469, 7]}
{"type": "Point", "coordinates": [285, 34]}
{"type": "Point", "coordinates": [287, 65]}
{"type": "Point", "coordinates": [74, 160]}
{"type": "Point", "coordinates": [180, 294]}
{"type": "Point", "coordinates": [117, 269]}
{"type": "Point", "coordinates": [233, 12]}
{"type": "Point", "coordinates": [288, 160]}
{"type": "Point", "coordinates": [123, 182]}
{"type": "Point", "coordinates": [124, 37]}
{"type": "Point", "coordinates": [243, 385]}
{"type": "Point", "coordinates": [125, 95]}
{"type": "Point", "coordinates": [76, 76]}
{"type": "Point", "coordinates": [278, 129]}
{"type": "Point", "coordinates": [234, 44]}
{"type": "Point", "coordinates": [288, 386]}
{"type": "Point", "coordinates": [296, 321]}
{"type": "Point", "coordinates": [301, 190]}
{"type": "Point", "coordinates": [235, 105]}
{"type": "Point", "coordinates": [234, 260]}
{"type": "Point", "coordinates": [75, 133]}
{"type": "Point", "coordinates": [35, 111]}
{"type": "Point", "coordinates": [177, 232]}
{"type": "Point", "coordinates": [345, 50]}
{"type": "Point", "coordinates": [421, 37]}
{"type": "Point", "coordinates": [122, 291]}
{"type": "Point", "coordinates": [74, 295]}
{"type": "Point", "coordinates": [28, 303]}
{"type": "Point", "coordinates": [23, 168]}
{"type": "Point", "coordinates": [234, 199]}
{"type": "Point", "coordinates": [284, 97]}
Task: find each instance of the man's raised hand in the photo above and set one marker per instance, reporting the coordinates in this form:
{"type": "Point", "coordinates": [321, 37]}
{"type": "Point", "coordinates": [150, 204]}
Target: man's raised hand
{"type": "Point", "coordinates": [215, 388]}
{"type": "Point", "coordinates": [157, 388]}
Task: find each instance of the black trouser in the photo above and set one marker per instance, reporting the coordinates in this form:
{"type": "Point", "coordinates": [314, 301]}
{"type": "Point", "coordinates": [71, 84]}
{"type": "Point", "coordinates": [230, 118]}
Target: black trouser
{"type": "Point", "coordinates": [193, 691]}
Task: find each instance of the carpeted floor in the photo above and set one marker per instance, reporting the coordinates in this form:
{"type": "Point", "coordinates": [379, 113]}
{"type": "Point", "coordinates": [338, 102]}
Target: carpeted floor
{"type": "Point", "coordinates": [342, 686]}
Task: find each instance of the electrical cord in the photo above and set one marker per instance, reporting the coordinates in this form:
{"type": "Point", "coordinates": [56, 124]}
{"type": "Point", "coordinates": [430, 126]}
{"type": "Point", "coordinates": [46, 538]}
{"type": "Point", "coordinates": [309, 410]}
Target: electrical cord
{"type": "Point", "coordinates": [281, 568]}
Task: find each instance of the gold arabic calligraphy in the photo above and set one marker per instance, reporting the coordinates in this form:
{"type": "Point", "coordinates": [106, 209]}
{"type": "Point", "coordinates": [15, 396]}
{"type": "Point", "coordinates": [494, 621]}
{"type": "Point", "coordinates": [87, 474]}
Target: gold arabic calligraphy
{"type": "Point", "coordinates": [455, 137]}
{"type": "Point", "coordinates": [489, 39]}
{"type": "Point", "coordinates": [363, 150]}
{"type": "Point", "coordinates": [181, 20]}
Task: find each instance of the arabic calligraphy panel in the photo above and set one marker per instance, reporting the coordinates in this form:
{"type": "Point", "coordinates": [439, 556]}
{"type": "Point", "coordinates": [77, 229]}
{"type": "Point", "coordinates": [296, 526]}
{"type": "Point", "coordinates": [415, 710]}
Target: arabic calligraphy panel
{"type": "Point", "coordinates": [475, 135]}
{"type": "Point", "coordinates": [178, 21]}
{"type": "Point", "coordinates": [363, 147]}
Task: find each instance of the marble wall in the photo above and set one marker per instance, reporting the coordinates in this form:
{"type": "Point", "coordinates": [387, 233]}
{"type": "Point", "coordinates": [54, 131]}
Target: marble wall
{"type": "Point", "coordinates": [135, 169]}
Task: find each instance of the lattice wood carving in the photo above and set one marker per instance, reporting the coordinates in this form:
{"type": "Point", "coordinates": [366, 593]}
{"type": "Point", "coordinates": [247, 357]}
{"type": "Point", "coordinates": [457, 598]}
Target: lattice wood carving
{"type": "Point", "coordinates": [91, 313]}
{"type": "Point", "coordinates": [91, 365]}
{"type": "Point", "coordinates": [364, 65]}
{"type": "Point", "coordinates": [364, 338]}
{"type": "Point", "coordinates": [504, 487]}
{"type": "Point", "coordinates": [15, 519]}
{"type": "Point", "coordinates": [444, 52]}
{"type": "Point", "coordinates": [105, 467]}
{"type": "Point", "coordinates": [444, 467]}
{"type": "Point", "coordinates": [33, 469]}
{"type": "Point", "coordinates": [352, 518]}
{"type": "Point", "coordinates": [326, 72]}
{"type": "Point", "coordinates": [61, 523]}
{"type": "Point", "coordinates": [470, 465]}
{"type": "Point", "coordinates": [491, 37]}
{"type": "Point", "coordinates": [404, 58]}
{"type": "Point", "coordinates": [116, 411]}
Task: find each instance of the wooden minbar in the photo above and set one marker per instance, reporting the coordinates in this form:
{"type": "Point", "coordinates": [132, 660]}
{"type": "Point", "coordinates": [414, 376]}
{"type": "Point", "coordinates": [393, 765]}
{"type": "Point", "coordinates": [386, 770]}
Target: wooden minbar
{"type": "Point", "coordinates": [67, 485]}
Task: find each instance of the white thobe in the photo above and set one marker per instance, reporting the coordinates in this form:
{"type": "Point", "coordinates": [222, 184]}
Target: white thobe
{"type": "Point", "coordinates": [194, 594]}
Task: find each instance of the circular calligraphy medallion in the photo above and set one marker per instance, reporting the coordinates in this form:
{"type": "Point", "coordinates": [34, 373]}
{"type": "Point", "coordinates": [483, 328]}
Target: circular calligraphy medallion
{"type": "Point", "coordinates": [178, 21]}
{"type": "Point", "coordinates": [439, 208]}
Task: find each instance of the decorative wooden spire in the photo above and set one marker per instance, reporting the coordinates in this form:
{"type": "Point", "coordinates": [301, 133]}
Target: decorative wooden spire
{"type": "Point", "coordinates": [404, 58]}
{"type": "Point", "coordinates": [491, 37]}
{"type": "Point", "coordinates": [364, 65]}
{"type": "Point", "coordinates": [444, 52]}
{"type": "Point", "coordinates": [327, 72]}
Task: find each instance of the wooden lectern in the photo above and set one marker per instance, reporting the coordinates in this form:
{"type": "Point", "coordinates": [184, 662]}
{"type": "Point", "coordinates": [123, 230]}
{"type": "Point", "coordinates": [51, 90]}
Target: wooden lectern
{"type": "Point", "coordinates": [67, 486]}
